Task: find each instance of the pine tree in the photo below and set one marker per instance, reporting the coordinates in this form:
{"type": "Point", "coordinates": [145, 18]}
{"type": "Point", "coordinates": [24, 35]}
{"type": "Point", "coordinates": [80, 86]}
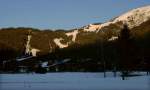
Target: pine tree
{"type": "Point", "coordinates": [126, 51]}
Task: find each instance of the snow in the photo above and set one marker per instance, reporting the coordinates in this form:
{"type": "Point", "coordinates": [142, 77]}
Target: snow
{"type": "Point", "coordinates": [113, 38]}
{"type": "Point", "coordinates": [138, 16]}
{"type": "Point", "coordinates": [23, 58]}
{"type": "Point", "coordinates": [73, 34]}
{"type": "Point", "coordinates": [71, 81]}
{"type": "Point", "coordinates": [132, 18]}
{"type": "Point", "coordinates": [29, 50]}
{"type": "Point", "coordinates": [60, 62]}
{"type": "Point", "coordinates": [34, 51]}
{"type": "Point", "coordinates": [44, 64]}
{"type": "Point", "coordinates": [92, 28]}
{"type": "Point", "coordinates": [57, 41]}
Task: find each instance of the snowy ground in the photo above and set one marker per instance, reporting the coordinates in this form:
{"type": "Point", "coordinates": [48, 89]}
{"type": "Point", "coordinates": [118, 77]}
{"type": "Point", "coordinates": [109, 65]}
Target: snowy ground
{"type": "Point", "coordinates": [72, 81]}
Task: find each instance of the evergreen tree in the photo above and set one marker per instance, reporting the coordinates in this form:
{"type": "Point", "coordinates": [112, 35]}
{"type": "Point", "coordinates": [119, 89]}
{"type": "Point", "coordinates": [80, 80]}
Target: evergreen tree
{"type": "Point", "coordinates": [126, 51]}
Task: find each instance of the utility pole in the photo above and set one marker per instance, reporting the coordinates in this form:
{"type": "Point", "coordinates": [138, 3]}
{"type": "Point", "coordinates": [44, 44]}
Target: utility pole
{"type": "Point", "coordinates": [114, 65]}
{"type": "Point", "coordinates": [102, 53]}
{"type": "Point", "coordinates": [115, 62]}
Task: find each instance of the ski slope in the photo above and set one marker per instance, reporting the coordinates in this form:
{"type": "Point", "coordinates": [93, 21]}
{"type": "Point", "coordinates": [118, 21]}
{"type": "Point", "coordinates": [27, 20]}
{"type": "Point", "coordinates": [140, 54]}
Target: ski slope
{"type": "Point", "coordinates": [72, 81]}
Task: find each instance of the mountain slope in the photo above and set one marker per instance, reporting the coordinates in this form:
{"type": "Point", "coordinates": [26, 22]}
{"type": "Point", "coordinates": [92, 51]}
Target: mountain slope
{"type": "Point", "coordinates": [86, 47]}
{"type": "Point", "coordinates": [50, 41]}
{"type": "Point", "coordinates": [132, 18]}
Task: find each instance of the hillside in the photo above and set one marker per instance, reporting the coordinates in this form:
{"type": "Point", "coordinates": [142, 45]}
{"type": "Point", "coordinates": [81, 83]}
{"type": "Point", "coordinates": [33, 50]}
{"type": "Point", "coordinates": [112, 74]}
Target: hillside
{"type": "Point", "coordinates": [91, 43]}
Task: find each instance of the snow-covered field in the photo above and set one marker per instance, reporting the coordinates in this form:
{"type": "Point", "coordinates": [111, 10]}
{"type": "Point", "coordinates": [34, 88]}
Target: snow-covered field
{"type": "Point", "coordinates": [72, 81]}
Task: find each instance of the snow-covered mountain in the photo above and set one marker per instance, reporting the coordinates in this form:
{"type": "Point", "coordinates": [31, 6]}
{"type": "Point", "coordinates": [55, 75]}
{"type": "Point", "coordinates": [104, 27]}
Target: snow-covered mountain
{"type": "Point", "coordinates": [82, 44]}
{"type": "Point", "coordinates": [133, 18]}
{"type": "Point", "coordinates": [88, 34]}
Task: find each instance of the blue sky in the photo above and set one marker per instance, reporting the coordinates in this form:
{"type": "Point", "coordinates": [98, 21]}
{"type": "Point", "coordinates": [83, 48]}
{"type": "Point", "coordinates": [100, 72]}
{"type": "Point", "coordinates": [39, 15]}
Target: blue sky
{"type": "Point", "coordinates": [62, 14]}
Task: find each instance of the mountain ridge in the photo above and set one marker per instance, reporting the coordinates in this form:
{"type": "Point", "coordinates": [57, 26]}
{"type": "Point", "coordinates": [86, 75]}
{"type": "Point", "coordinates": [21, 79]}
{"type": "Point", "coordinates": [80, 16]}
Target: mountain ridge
{"type": "Point", "coordinates": [82, 36]}
{"type": "Point", "coordinates": [85, 48]}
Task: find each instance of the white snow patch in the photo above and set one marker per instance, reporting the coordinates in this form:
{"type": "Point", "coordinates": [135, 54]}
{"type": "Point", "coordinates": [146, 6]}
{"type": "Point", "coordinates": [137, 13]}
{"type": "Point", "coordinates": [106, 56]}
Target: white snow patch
{"type": "Point", "coordinates": [44, 64]}
{"type": "Point", "coordinates": [91, 28]}
{"type": "Point", "coordinates": [34, 52]}
{"type": "Point", "coordinates": [73, 34]}
{"type": "Point", "coordinates": [113, 38]}
{"type": "Point", "coordinates": [57, 41]}
{"type": "Point", "coordinates": [28, 46]}
{"type": "Point", "coordinates": [29, 50]}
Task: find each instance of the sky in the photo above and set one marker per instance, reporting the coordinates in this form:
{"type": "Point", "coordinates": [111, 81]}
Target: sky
{"type": "Point", "coordinates": [62, 14]}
